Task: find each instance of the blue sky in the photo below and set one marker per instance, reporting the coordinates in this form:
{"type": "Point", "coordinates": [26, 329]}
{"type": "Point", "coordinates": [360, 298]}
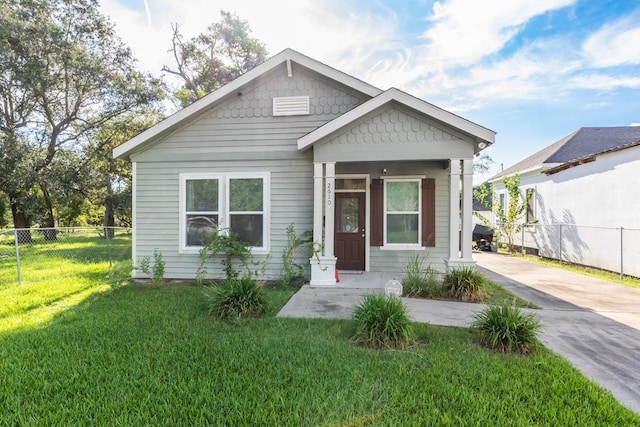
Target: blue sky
{"type": "Point", "coordinates": [531, 70]}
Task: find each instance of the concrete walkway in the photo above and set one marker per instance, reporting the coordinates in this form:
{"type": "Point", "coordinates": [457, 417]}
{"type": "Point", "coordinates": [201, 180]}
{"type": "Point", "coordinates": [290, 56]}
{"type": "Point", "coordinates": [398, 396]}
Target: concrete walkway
{"type": "Point", "coordinates": [593, 323]}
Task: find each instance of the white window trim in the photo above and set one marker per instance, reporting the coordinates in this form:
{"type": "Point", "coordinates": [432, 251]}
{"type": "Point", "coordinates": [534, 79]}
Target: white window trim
{"type": "Point", "coordinates": [223, 206]}
{"type": "Point", "coordinates": [534, 201]}
{"type": "Point", "coordinates": [402, 246]}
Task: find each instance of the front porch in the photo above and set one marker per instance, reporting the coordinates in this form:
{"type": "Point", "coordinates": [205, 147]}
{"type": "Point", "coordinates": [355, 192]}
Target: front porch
{"type": "Point", "coordinates": [439, 223]}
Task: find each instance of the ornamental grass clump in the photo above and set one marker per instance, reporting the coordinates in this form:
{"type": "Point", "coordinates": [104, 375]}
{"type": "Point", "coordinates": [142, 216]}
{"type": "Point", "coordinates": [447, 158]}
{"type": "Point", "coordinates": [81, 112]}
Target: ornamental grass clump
{"type": "Point", "coordinates": [420, 281]}
{"type": "Point", "coordinates": [383, 322]}
{"type": "Point", "coordinates": [506, 329]}
{"type": "Point", "coordinates": [236, 298]}
{"type": "Point", "coordinates": [464, 284]}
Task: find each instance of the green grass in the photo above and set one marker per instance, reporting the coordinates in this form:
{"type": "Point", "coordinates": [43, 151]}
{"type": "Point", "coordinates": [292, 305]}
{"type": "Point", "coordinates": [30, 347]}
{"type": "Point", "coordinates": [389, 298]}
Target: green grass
{"type": "Point", "coordinates": [150, 355]}
{"type": "Point", "coordinates": [75, 351]}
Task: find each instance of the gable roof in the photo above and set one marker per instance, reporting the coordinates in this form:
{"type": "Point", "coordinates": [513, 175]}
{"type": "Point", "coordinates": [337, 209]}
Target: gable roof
{"type": "Point", "coordinates": [479, 133]}
{"type": "Point", "coordinates": [576, 148]}
{"type": "Point", "coordinates": [172, 122]}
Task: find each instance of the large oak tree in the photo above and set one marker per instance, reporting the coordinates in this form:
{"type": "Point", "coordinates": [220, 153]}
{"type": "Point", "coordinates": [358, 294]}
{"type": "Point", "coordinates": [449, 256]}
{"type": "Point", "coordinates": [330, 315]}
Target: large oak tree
{"type": "Point", "coordinates": [63, 74]}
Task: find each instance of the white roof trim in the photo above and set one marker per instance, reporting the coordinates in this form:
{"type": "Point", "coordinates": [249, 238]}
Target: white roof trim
{"type": "Point", "coordinates": [393, 94]}
{"type": "Point", "coordinates": [171, 122]}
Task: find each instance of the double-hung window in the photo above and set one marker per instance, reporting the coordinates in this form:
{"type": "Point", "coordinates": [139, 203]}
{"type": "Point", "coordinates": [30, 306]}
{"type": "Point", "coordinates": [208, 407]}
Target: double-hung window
{"type": "Point", "coordinates": [402, 216]}
{"type": "Point", "coordinates": [213, 202]}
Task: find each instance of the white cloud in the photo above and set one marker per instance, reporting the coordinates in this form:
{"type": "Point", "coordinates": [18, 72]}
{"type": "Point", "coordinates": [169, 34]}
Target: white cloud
{"type": "Point", "coordinates": [616, 43]}
{"type": "Point", "coordinates": [604, 82]}
{"type": "Point", "coordinates": [466, 31]}
{"type": "Point", "coordinates": [634, 124]}
{"type": "Point", "coordinates": [343, 40]}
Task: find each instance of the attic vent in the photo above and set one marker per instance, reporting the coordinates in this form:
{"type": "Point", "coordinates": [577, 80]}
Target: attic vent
{"type": "Point", "coordinates": [291, 106]}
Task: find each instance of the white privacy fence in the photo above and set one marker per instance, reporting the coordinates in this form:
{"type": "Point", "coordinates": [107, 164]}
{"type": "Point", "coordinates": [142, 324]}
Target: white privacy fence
{"type": "Point", "coordinates": [607, 248]}
{"type": "Point", "coordinates": [27, 253]}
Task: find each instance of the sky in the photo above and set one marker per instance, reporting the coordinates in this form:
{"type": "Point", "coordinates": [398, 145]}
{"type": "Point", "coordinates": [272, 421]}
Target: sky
{"type": "Point", "coordinates": [533, 71]}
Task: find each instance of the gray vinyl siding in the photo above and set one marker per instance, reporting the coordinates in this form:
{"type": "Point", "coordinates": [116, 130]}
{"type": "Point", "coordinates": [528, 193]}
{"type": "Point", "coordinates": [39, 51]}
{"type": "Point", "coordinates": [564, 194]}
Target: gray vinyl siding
{"type": "Point", "coordinates": [237, 136]}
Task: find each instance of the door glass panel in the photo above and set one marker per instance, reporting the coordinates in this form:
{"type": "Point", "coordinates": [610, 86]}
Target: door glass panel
{"type": "Point", "coordinates": [347, 215]}
{"type": "Point", "coordinates": [351, 184]}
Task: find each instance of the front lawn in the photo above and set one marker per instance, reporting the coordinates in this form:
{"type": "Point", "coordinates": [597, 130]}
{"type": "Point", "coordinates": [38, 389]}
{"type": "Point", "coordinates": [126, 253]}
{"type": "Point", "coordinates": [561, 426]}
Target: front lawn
{"type": "Point", "coordinates": [150, 355]}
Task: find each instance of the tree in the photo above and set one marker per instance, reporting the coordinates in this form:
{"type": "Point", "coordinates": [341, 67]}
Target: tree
{"type": "Point", "coordinates": [224, 51]}
{"type": "Point", "coordinates": [112, 177]}
{"type": "Point", "coordinates": [64, 73]}
{"type": "Point", "coordinates": [482, 164]}
{"type": "Point", "coordinates": [509, 218]}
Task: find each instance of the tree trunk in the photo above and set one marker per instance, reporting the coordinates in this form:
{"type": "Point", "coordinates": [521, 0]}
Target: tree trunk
{"type": "Point", "coordinates": [109, 217]}
{"type": "Point", "coordinates": [50, 233]}
{"type": "Point", "coordinates": [20, 221]}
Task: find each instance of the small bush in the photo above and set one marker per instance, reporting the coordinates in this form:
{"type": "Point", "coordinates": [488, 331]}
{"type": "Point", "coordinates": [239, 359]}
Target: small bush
{"type": "Point", "coordinates": [383, 322]}
{"type": "Point", "coordinates": [506, 329]}
{"type": "Point", "coordinates": [420, 281]}
{"type": "Point", "coordinates": [464, 284]}
{"type": "Point", "coordinates": [236, 298]}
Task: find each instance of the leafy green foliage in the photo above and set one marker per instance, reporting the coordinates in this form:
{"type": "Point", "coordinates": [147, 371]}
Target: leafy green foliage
{"type": "Point", "coordinates": [383, 322]}
{"type": "Point", "coordinates": [224, 51]}
{"type": "Point", "coordinates": [291, 270]}
{"type": "Point", "coordinates": [465, 284]}
{"type": "Point", "coordinates": [155, 271]}
{"type": "Point", "coordinates": [510, 218]}
{"type": "Point", "coordinates": [506, 329]}
{"type": "Point", "coordinates": [65, 74]}
{"type": "Point", "coordinates": [224, 241]}
{"type": "Point", "coordinates": [236, 298]}
{"type": "Point", "coordinates": [421, 280]}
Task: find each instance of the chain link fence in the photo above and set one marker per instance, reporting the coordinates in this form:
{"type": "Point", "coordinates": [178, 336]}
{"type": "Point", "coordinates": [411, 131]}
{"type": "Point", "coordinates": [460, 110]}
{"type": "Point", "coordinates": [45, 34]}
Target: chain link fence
{"type": "Point", "coordinates": [607, 248]}
{"type": "Point", "coordinates": [29, 254]}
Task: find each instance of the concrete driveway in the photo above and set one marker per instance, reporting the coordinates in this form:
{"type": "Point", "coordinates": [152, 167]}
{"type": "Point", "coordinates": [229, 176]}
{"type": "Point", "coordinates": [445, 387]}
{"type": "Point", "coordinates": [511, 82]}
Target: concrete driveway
{"type": "Point", "coordinates": [593, 323]}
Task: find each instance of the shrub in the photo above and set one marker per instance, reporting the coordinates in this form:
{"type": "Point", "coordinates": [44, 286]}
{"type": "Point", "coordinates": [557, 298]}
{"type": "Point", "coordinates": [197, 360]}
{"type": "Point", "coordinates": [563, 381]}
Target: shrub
{"type": "Point", "coordinates": [236, 298]}
{"type": "Point", "coordinates": [383, 322]}
{"type": "Point", "coordinates": [292, 272]}
{"type": "Point", "coordinates": [420, 281]}
{"type": "Point", "coordinates": [465, 284]}
{"type": "Point", "coordinates": [155, 272]}
{"type": "Point", "coordinates": [506, 329]}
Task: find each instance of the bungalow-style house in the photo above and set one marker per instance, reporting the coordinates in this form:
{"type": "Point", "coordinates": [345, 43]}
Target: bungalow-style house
{"type": "Point", "coordinates": [584, 189]}
{"type": "Point", "coordinates": [376, 175]}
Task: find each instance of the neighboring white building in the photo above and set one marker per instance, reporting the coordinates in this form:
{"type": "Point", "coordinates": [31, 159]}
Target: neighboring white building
{"type": "Point", "coordinates": [585, 189]}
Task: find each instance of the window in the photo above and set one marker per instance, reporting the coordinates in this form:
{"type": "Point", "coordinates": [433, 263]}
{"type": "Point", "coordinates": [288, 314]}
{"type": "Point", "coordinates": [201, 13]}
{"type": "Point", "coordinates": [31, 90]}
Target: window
{"type": "Point", "coordinates": [402, 219]}
{"type": "Point", "coordinates": [201, 212]}
{"type": "Point", "coordinates": [236, 201]}
{"type": "Point", "coordinates": [531, 204]}
{"type": "Point", "coordinates": [246, 215]}
{"type": "Point", "coordinates": [501, 201]}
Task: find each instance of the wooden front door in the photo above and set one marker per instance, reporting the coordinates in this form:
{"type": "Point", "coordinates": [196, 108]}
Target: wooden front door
{"type": "Point", "coordinates": [350, 231]}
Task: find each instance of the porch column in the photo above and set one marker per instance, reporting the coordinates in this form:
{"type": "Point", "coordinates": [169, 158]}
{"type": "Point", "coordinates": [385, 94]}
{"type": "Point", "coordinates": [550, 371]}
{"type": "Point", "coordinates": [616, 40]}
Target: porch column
{"type": "Point", "coordinates": [460, 211]}
{"type": "Point", "coordinates": [467, 208]}
{"type": "Point", "coordinates": [454, 209]}
{"type": "Point", "coordinates": [329, 209]}
{"type": "Point", "coordinates": [323, 262]}
{"type": "Point", "coordinates": [318, 179]}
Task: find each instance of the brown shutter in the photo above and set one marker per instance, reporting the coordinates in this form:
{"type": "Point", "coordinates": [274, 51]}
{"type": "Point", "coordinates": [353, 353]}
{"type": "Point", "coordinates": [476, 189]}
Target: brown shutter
{"type": "Point", "coordinates": [377, 211]}
{"type": "Point", "coordinates": [428, 212]}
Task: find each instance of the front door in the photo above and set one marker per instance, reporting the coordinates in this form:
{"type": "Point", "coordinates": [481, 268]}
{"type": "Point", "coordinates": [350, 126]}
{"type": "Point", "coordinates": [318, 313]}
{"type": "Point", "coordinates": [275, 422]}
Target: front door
{"type": "Point", "coordinates": [350, 231]}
